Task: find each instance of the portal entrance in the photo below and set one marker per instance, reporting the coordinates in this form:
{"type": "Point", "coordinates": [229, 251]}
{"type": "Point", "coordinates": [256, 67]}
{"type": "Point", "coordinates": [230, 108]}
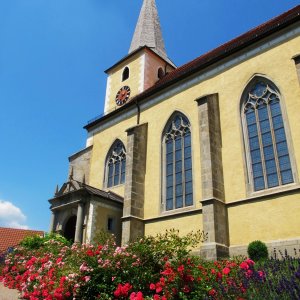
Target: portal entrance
{"type": "Point", "coordinates": [70, 228]}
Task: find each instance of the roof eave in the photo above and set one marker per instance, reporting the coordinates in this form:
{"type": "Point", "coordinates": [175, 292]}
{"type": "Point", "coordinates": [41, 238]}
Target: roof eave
{"type": "Point", "coordinates": [168, 61]}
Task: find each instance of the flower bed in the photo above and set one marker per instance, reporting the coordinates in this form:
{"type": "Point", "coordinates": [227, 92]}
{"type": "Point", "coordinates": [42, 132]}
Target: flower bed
{"type": "Point", "coordinates": [157, 268]}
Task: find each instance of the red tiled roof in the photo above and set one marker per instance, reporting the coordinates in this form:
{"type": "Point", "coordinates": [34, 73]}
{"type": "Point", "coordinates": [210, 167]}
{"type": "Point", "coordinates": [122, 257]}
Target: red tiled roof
{"type": "Point", "coordinates": [274, 25]}
{"type": "Point", "coordinates": [10, 237]}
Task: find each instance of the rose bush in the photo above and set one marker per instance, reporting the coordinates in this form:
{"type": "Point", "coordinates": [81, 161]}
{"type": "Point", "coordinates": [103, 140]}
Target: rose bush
{"type": "Point", "coordinates": [159, 268]}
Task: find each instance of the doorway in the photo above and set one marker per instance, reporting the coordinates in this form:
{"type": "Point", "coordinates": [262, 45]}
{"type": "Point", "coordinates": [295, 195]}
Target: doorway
{"type": "Point", "coordinates": [70, 227]}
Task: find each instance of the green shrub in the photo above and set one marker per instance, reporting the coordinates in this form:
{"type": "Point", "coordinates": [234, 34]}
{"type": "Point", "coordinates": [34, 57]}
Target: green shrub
{"type": "Point", "coordinates": [32, 242]}
{"type": "Point", "coordinates": [36, 241]}
{"type": "Point", "coordinates": [257, 250]}
{"type": "Point", "coordinates": [104, 238]}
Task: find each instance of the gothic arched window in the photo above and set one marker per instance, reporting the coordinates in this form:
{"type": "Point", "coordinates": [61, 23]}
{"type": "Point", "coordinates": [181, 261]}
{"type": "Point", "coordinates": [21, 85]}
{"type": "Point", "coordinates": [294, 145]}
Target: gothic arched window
{"type": "Point", "coordinates": [269, 162]}
{"type": "Point", "coordinates": [177, 169]}
{"type": "Point", "coordinates": [125, 74]}
{"type": "Point", "coordinates": [115, 164]}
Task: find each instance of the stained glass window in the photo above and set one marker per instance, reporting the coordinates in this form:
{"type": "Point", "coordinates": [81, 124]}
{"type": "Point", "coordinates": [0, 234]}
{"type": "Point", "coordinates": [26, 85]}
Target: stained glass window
{"type": "Point", "coordinates": [116, 164]}
{"type": "Point", "coordinates": [178, 164]}
{"type": "Point", "coordinates": [270, 161]}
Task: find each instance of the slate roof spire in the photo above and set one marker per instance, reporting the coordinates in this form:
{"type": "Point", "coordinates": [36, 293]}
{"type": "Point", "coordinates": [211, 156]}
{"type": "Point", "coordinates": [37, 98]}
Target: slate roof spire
{"type": "Point", "coordinates": [148, 32]}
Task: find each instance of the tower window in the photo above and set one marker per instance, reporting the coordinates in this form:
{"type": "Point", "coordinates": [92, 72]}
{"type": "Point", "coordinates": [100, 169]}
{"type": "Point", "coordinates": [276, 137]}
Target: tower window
{"type": "Point", "coordinates": [116, 163]}
{"type": "Point", "coordinates": [125, 74]}
{"type": "Point", "coordinates": [160, 73]}
{"type": "Point", "coordinates": [178, 182]}
{"type": "Point", "coordinates": [269, 159]}
{"type": "Point", "coordinates": [110, 224]}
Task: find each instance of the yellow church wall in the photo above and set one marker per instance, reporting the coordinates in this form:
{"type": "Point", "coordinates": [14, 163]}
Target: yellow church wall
{"type": "Point", "coordinates": [231, 87]}
{"type": "Point", "coordinates": [260, 220]}
{"type": "Point", "coordinates": [162, 113]}
{"type": "Point", "coordinates": [134, 81]}
{"type": "Point", "coordinates": [102, 215]}
{"type": "Point", "coordinates": [102, 141]}
{"type": "Point", "coordinates": [278, 66]}
{"type": "Point", "coordinates": [185, 225]}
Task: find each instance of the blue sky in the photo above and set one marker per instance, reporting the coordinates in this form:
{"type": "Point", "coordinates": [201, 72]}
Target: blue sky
{"type": "Point", "coordinates": [52, 57]}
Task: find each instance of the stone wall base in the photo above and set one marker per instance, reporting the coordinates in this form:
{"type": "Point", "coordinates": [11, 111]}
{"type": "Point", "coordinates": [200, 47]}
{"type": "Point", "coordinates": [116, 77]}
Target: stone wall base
{"type": "Point", "coordinates": [132, 228]}
{"type": "Point", "coordinates": [276, 249]}
{"type": "Point", "coordinates": [213, 251]}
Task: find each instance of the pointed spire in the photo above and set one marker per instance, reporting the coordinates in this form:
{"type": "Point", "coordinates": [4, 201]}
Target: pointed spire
{"type": "Point", "coordinates": [148, 31]}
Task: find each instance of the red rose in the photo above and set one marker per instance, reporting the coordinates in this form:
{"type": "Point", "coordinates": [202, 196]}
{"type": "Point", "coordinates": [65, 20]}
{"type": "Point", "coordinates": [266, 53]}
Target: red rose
{"type": "Point", "coordinates": [250, 262]}
{"type": "Point", "coordinates": [219, 276]}
{"type": "Point", "coordinates": [244, 266]}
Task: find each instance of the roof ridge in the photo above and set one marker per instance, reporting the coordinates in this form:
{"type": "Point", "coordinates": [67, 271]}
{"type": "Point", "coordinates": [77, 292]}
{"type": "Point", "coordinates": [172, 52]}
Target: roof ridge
{"type": "Point", "coordinates": [238, 38]}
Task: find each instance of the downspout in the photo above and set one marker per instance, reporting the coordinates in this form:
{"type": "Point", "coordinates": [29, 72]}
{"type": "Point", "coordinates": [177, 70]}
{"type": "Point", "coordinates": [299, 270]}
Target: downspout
{"type": "Point", "coordinates": [138, 112]}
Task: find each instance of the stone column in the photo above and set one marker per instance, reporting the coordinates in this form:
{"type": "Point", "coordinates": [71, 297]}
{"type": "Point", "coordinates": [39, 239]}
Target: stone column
{"type": "Point", "coordinates": [79, 223]}
{"type": "Point", "coordinates": [52, 222]}
{"type": "Point", "coordinates": [215, 219]}
{"type": "Point", "coordinates": [133, 211]}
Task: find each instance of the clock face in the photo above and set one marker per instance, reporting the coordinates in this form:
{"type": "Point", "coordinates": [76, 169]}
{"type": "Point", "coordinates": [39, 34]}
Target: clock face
{"type": "Point", "coordinates": [123, 95]}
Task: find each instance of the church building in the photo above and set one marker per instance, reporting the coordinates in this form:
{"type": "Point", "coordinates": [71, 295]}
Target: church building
{"type": "Point", "coordinates": [212, 145]}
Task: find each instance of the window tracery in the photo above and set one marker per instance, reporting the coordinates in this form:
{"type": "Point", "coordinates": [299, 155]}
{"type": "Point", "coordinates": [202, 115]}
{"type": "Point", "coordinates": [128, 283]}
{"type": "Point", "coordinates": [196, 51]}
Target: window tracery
{"type": "Point", "coordinates": [116, 164]}
{"type": "Point", "coordinates": [270, 163]}
{"type": "Point", "coordinates": [178, 164]}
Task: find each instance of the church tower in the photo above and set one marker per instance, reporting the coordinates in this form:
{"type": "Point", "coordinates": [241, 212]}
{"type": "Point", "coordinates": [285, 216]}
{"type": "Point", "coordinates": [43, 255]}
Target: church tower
{"type": "Point", "coordinates": [145, 64]}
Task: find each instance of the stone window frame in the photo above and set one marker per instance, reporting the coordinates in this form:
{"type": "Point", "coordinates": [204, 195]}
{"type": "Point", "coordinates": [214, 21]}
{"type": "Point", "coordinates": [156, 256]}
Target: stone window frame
{"type": "Point", "coordinates": [125, 73]}
{"type": "Point", "coordinates": [163, 209]}
{"type": "Point", "coordinates": [107, 161]}
{"type": "Point", "coordinates": [246, 157]}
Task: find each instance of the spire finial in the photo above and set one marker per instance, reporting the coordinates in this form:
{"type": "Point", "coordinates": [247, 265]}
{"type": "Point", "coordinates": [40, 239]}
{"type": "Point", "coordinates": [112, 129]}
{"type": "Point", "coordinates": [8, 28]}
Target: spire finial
{"type": "Point", "coordinates": [56, 190]}
{"type": "Point", "coordinates": [71, 174]}
{"type": "Point", "coordinates": [148, 32]}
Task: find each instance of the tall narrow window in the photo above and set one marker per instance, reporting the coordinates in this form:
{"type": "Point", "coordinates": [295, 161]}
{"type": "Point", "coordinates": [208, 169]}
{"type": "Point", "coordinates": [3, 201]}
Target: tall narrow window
{"type": "Point", "coordinates": [116, 163]}
{"type": "Point", "coordinates": [178, 163]}
{"type": "Point", "coordinates": [269, 160]}
{"type": "Point", "coordinates": [160, 73]}
{"type": "Point", "coordinates": [125, 74]}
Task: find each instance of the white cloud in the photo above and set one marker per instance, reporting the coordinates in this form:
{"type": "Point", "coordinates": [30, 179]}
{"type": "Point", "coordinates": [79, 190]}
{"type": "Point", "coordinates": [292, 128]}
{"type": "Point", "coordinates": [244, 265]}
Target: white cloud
{"type": "Point", "coordinates": [11, 216]}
